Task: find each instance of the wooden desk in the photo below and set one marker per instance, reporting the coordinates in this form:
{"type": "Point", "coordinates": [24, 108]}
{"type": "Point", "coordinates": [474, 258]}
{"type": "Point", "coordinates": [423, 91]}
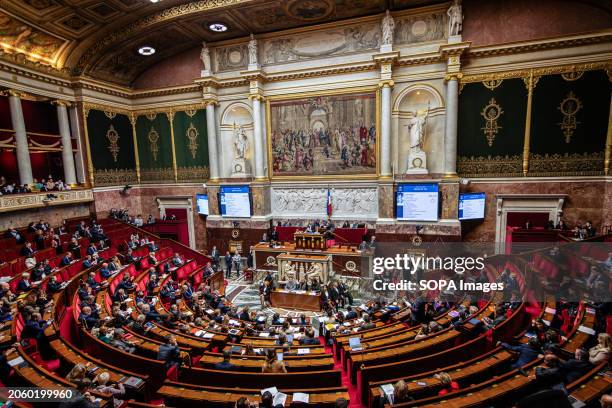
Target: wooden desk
{"type": "Point", "coordinates": [293, 300]}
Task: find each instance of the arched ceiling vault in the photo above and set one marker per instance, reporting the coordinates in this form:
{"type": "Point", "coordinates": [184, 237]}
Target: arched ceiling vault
{"type": "Point", "coordinates": [100, 38]}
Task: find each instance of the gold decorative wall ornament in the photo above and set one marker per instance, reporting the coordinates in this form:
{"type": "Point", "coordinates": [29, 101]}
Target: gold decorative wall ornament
{"type": "Point", "coordinates": [192, 137]}
{"type": "Point", "coordinates": [492, 83]}
{"type": "Point", "coordinates": [113, 138]}
{"type": "Point", "coordinates": [110, 115]}
{"type": "Point", "coordinates": [566, 164]}
{"type": "Point", "coordinates": [153, 137]}
{"type": "Point", "coordinates": [191, 112]}
{"type": "Point", "coordinates": [569, 107]}
{"type": "Point", "coordinates": [491, 113]}
{"type": "Point", "coordinates": [151, 116]}
{"type": "Point", "coordinates": [572, 76]}
{"type": "Point", "coordinates": [490, 166]}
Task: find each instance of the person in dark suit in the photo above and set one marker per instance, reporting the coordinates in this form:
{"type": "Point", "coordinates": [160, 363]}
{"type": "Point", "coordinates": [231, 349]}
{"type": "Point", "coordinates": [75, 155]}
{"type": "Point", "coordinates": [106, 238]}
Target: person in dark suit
{"type": "Point", "coordinates": [350, 313]}
{"type": "Point", "coordinates": [244, 315]}
{"type": "Point", "coordinates": [34, 327]}
{"type": "Point", "coordinates": [105, 273]}
{"type": "Point", "coordinates": [228, 265]}
{"type": "Point", "coordinates": [576, 367]}
{"type": "Point", "coordinates": [169, 352]}
{"type": "Point", "coordinates": [215, 255]}
{"type": "Point", "coordinates": [225, 364]}
{"type": "Point", "coordinates": [67, 259]}
{"type": "Point", "coordinates": [527, 352]}
{"type": "Point", "coordinates": [88, 318]}
{"type": "Point", "coordinates": [345, 294]}
{"type": "Point", "coordinates": [309, 338]}
{"type": "Point", "coordinates": [26, 250]}
{"type": "Point", "coordinates": [53, 286]}
{"type": "Point", "coordinates": [24, 284]}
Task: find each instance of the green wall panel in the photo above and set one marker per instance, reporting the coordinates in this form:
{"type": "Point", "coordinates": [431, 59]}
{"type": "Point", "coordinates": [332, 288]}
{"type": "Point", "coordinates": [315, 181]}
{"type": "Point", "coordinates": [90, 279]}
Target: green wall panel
{"type": "Point", "coordinates": [491, 153]}
{"type": "Point", "coordinates": [113, 163]}
{"type": "Point", "coordinates": [191, 143]}
{"type": "Point", "coordinates": [154, 147]}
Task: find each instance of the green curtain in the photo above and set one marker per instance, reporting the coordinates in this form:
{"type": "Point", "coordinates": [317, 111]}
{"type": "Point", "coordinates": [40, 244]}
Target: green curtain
{"type": "Point", "coordinates": [191, 144]}
{"type": "Point", "coordinates": [491, 147]}
{"type": "Point", "coordinates": [569, 124]}
{"type": "Point", "coordinates": [154, 148]}
{"type": "Point", "coordinates": [111, 147]}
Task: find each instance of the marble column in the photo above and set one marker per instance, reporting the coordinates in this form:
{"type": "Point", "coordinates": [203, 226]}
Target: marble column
{"type": "Point", "coordinates": [385, 130]}
{"type": "Point", "coordinates": [67, 155]}
{"type": "Point", "coordinates": [450, 132]}
{"type": "Point", "coordinates": [257, 136]}
{"type": "Point", "coordinates": [79, 161]}
{"type": "Point", "coordinates": [21, 140]}
{"type": "Point", "coordinates": [213, 156]}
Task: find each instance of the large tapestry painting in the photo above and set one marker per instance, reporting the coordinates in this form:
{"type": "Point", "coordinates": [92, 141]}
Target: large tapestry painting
{"type": "Point", "coordinates": [324, 135]}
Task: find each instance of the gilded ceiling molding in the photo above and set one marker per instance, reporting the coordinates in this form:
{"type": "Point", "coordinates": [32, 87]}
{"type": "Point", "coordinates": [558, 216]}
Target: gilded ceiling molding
{"type": "Point", "coordinates": [552, 70]}
{"type": "Point", "coordinates": [160, 17]}
{"type": "Point", "coordinates": [87, 106]}
{"type": "Point", "coordinates": [539, 45]}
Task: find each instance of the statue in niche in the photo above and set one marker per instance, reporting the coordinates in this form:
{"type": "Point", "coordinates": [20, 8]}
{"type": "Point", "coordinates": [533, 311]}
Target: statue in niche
{"type": "Point", "coordinates": [455, 18]}
{"type": "Point", "coordinates": [388, 25]}
{"type": "Point", "coordinates": [252, 51]}
{"type": "Point", "coordinates": [417, 160]}
{"type": "Point", "coordinates": [416, 127]}
{"type": "Point", "coordinates": [205, 57]}
{"type": "Point", "coordinates": [240, 142]}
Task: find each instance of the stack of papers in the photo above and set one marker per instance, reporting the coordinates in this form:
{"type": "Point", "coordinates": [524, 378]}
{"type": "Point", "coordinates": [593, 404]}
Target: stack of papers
{"type": "Point", "coordinates": [301, 397]}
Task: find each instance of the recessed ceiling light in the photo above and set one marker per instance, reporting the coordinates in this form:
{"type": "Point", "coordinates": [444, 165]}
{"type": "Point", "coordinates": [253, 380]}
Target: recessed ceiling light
{"type": "Point", "coordinates": [153, 1]}
{"type": "Point", "coordinates": [146, 50]}
{"type": "Point", "coordinates": [217, 27]}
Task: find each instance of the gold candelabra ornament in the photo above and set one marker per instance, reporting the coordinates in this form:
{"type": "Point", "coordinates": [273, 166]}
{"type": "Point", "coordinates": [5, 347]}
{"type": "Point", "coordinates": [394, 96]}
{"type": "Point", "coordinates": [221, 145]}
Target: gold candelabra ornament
{"type": "Point", "coordinates": [569, 107]}
{"type": "Point", "coordinates": [491, 113]}
{"type": "Point", "coordinates": [192, 136]}
{"type": "Point", "coordinates": [113, 138]}
{"type": "Point", "coordinates": [153, 137]}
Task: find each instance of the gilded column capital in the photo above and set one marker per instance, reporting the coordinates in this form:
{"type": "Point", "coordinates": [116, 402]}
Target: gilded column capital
{"type": "Point", "coordinates": [17, 93]}
{"type": "Point", "coordinates": [60, 102]}
{"type": "Point", "coordinates": [257, 96]}
{"type": "Point", "coordinates": [453, 76]}
{"type": "Point", "coordinates": [389, 83]}
{"type": "Point", "coordinates": [212, 102]}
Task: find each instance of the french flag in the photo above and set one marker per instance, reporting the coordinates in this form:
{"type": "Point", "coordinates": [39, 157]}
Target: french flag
{"type": "Point", "coordinates": [329, 203]}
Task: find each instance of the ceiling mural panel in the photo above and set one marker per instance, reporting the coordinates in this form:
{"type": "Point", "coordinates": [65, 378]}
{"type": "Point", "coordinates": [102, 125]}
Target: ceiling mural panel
{"type": "Point", "coordinates": [17, 37]}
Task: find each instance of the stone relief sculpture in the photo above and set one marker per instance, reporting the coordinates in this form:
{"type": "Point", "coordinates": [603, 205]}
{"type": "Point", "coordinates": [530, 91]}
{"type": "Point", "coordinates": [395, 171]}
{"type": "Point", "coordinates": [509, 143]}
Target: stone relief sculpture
{"type": "Point", "coordinates": [321, 44]}
{"type": "Point", "coordinates": [312, 202]}
{"type": "Point", "coordinates": [253, 63]}
{"type": "Point", "coordinates": [388, 26]}
{"type": "Point", "coordinates": [205, 57]}
{"type": "Point", "coordinates": [420, 28]}
{"type": "Point", "coordinates": [231, 57]}
{"type": "Point", "coordinates": [455, 19]}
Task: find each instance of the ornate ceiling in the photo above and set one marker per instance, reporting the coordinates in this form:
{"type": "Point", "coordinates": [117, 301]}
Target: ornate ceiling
{"type": "Point", "coordinates": [100, 38]}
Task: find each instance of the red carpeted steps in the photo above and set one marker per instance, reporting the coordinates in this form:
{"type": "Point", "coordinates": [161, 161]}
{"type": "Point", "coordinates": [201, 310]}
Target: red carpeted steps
{"type": "Point", "coordinates": [346, 382]}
